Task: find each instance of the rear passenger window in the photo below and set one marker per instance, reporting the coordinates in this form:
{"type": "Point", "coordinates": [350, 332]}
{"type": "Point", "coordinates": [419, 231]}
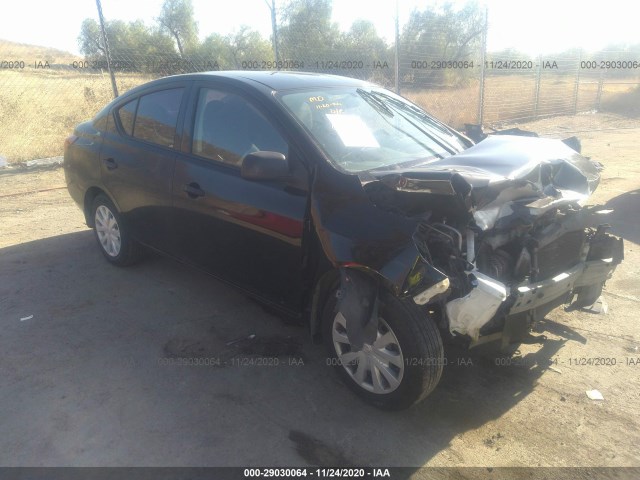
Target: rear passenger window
{"type": "Point", "coordinates": [157, 115]}
{"type": "Point", "coordinates": [126, 114]}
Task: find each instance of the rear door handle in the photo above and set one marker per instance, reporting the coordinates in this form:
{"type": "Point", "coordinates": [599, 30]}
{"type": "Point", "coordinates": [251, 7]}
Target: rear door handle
{"type": "Point", "coordinates": [193, 190]}
{"type": "Point", "coordinates": [110, 163]}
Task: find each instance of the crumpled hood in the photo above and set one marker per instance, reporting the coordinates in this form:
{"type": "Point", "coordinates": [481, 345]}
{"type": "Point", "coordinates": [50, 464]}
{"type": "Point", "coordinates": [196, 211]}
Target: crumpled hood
{"type": "Point", "coordinates": [500, 170]}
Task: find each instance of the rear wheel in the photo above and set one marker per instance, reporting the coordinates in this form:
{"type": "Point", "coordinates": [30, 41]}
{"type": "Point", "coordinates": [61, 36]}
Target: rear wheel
{"type": "Point", "coordinates": [400, 367]}
{"type": "Point", "coordinates": [112, 236]}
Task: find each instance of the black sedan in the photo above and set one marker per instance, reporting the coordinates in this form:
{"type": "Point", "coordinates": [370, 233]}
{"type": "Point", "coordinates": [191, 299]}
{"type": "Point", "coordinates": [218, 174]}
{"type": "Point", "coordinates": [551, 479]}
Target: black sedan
{"type": "Point", "coordinates": [341, 204]}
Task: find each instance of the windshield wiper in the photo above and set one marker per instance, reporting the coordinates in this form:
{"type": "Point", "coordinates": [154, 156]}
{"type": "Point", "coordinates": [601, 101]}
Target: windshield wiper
{"type": "Point", "coordinates": [375, 102]}
{"type": "Point", "coordinates": [437, 125]}
{"type": "Point", "coordinates": [380, 106]}
{"type": "Point", "coordinates": [413, 109]}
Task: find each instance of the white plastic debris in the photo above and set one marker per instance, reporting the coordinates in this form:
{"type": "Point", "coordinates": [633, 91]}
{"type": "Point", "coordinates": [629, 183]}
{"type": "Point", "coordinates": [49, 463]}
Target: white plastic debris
{"type": "Point", "coordinates": [44, 162]}
{"type": "Point", "coordinates": [600, 307]}
{"type": "Point", "coordinates": [467, 315]}
{"type": "Point", "coordinates": [554, 369]}
{"type": "Point", "coordinates": [594, 395]}
{"type": "Point", "coordinates": [26, 318]}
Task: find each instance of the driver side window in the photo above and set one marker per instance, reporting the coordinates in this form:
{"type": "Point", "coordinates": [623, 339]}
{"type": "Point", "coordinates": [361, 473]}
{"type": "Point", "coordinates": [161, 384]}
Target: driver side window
{"type": "Point", "coordinates": [227, 127]}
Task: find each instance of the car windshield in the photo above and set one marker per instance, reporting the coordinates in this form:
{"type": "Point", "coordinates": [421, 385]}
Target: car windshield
{"type": "Point", "coordinates": [367, 128]}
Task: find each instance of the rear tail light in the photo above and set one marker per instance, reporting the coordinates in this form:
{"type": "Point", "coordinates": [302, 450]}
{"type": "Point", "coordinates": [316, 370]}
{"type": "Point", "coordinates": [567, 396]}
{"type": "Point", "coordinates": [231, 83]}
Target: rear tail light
{"type": "Point", "coordinates": [70, 140]}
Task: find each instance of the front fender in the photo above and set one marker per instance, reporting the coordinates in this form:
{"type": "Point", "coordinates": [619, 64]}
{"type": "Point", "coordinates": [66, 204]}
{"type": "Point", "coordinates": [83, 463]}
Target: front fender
{"type": "Point", "coordinates": [354, 233]}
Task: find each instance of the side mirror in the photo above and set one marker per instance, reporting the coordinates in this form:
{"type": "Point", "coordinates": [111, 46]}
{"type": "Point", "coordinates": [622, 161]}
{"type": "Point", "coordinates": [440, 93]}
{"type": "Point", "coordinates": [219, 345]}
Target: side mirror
{"type": "Point", "coordinates": [264, 166]}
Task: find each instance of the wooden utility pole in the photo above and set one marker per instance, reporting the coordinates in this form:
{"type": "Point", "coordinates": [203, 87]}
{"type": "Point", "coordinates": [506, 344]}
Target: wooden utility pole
{"type": "Point", "coordinates": [274, 28]}
{"type": "Point", "coordinates": [106, 50]}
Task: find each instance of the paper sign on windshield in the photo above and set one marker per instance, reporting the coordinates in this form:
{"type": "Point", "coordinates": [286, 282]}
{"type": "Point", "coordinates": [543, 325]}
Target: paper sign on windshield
{"type": "Point", "coordinates": [352, 130]}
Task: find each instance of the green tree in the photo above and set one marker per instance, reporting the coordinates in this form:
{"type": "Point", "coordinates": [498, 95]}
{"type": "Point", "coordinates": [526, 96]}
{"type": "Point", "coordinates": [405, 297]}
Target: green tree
{"type": "Point", "coordinates": [307, 32]}
{"type": "Point", "coordinates": [248, 45]}
{"type": "Point", "coordinates": [177, 18]}
{"type": "Point", "coordinates": [232, 50]}
{"type": "Point", "coordinates": [90, 39]}
{"type": "Point", "coordinates": [215, 48]}
{"type": "Point", "coordinates": [133, 45]}
{"type": "Point", "coordinates": [444, 33]}
{"type": "Point", "coordinates": [361, 43]}
{"type": "Point", "coordinates": [153, 49]}
{"type": "Point", "coordinates": [363, 39]}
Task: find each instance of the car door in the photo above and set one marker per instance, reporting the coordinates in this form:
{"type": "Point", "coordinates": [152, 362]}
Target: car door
{"type": "Point", "coordinates": [138, 157]}
{"type": "Point", "coordinates": [248, 233]}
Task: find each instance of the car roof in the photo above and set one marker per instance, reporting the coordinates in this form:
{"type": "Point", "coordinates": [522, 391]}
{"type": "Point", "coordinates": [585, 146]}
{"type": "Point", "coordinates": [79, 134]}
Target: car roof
{"type": "Point", "coordinates": [264, 81]}
{"type": "Point", "coordinates": [285, 80]}
{"type": "Point", "coordinates": [273, 80]}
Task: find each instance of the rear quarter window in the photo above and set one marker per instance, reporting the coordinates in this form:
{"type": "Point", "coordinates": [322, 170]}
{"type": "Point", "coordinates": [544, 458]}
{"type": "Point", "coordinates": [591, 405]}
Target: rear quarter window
{"type": "Point", "coordinates": [126, 115]}
{"type": "Point", "coordinates": [100, 122]}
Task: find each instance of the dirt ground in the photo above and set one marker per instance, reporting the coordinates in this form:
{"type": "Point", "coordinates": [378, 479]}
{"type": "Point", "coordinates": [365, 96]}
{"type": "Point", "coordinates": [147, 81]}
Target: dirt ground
{"type": "Point", "coordinates": [91, 379]}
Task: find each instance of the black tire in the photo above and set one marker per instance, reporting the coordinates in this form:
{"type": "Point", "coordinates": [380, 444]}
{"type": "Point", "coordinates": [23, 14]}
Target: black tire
{"type": "Point", "coordinates": [129, 250]}
{"type": "Point", "coordinates": [419, 342]}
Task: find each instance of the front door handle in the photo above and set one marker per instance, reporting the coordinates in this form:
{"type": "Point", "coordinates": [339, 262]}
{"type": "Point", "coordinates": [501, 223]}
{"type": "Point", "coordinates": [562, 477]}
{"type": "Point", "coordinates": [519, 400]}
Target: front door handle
{"type": "Point", "coordinates": [110, 163]}
{"type": "Point", "coordinates": [193, 190]}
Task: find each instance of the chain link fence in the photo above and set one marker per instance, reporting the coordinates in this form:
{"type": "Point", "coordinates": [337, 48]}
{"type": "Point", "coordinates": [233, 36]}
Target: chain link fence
{"type": "Point", "coordinates": [519, 89]}
{"type": "Point", "coordinates": [45, 93]}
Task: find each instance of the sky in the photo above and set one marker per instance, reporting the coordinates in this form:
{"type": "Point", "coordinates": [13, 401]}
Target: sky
{"type": "Point", "coordinates": [532, 26]}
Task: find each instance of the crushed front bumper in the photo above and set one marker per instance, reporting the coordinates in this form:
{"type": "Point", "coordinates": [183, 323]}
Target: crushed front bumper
{"type": "Point", "coordinates": [531, 301]}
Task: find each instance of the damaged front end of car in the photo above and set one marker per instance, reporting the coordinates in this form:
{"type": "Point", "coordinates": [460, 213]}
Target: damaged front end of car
{"type": "Point", "coordinates": [502, 237]}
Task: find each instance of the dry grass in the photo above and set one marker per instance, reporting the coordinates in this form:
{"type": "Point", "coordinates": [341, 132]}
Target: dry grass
{"type": "Point", "coordinates": [512, 98]}
{"type": "Point", "coordinates": [454, 106]}
{"type": "Point", "coordinates": [31, 53]}
{"type": "Point", "coordinates": [39, 109]}
{"type": "Point", "coordinates": [625, 102]}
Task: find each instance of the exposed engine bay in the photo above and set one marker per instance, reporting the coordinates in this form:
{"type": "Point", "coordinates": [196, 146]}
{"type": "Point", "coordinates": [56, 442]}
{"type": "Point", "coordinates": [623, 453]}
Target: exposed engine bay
{"type": "Point", "coordinates": [504, 222]}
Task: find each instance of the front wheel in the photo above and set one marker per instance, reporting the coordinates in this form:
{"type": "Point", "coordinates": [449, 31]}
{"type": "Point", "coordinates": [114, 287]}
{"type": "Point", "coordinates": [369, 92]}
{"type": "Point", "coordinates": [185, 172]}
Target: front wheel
{"type": "Point", "coordinates": [400, 367]}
